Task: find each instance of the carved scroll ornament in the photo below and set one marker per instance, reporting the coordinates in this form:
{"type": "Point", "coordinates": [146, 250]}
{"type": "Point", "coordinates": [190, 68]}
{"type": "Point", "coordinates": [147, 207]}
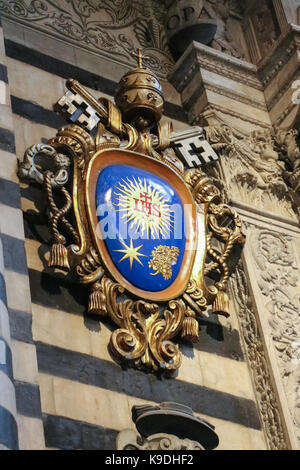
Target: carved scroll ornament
{"type": "Point", "coordinates": [148, 313]}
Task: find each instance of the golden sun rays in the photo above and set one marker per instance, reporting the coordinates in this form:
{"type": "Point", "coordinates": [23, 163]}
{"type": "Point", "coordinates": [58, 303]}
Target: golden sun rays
{"type": "Point", "coordinates": [144, 207]}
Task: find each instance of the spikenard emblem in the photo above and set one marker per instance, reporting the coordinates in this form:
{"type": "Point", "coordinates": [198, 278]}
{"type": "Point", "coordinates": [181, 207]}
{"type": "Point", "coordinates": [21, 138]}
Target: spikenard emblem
{"type": "Point", "coordinates": [128, 219]}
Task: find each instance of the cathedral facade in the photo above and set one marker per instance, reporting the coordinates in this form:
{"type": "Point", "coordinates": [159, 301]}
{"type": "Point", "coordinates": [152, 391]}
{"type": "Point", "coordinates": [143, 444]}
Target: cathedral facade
{"type": "Point", "coordinates": [202, 99]}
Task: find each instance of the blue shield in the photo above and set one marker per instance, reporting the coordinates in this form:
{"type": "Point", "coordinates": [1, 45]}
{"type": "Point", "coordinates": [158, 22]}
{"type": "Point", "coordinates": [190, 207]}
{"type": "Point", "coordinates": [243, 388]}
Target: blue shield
{"type": "Point", "coordinates": [141, 219]}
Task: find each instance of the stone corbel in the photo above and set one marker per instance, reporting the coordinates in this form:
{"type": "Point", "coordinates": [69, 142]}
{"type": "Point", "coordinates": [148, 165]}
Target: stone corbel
{"type": "Point", "coordinates": [165, 427]}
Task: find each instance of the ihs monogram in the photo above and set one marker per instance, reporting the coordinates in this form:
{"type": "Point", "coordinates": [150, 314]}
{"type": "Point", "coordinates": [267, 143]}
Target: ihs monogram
{"type": "Point", "coordinates": [147, 206]}
{"type": "Point", "coordinates": [144, 207]}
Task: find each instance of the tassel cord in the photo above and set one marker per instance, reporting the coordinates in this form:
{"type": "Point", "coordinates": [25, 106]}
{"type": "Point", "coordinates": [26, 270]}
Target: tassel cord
{"type": "Point", "coordinates": [58, 214]}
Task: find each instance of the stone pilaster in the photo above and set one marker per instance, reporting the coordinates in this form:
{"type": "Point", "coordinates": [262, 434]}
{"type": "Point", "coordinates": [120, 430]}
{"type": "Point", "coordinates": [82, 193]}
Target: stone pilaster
{"type": "Point", "coordinates": [20, 412]}
{"type": "Point", "coordinates": [216, 87]}
{"type": "Point", "coordinates": [8, 410]}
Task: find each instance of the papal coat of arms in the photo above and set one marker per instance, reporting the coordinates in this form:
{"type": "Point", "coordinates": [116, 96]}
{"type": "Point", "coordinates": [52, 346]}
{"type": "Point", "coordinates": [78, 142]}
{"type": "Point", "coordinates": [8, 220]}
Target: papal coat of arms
{"type": "Point", "coordinates": [129, 220]}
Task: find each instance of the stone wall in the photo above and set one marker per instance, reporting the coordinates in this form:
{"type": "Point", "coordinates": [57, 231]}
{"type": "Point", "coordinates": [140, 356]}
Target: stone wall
{"type": "Point", "coordinates": [62, 369]}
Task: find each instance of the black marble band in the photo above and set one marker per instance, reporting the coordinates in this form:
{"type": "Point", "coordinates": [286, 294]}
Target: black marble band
{"type": "Point", "coordinates": [28, 399]}
{"type": "Point", "coordinates": [89, 370]}
{"type": "Point", "coordinates": [35, 113]}
{"type": "Point", "coordinates": [65, 70]}
{"type": "Point", "coordinates": [20, 326]}
{"type": "Point", "coordinates": [10, 193]}
{"type": "Point", "coordinates": [67, 434]}
{"type": "Point", "coordinates": [3, 73]}
{"type": "Point", "coordinates": [7, 140]}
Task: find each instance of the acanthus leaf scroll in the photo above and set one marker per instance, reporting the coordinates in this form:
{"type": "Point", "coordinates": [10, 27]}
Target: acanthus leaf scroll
{"type": "Point", "coordinates": [147, 321]}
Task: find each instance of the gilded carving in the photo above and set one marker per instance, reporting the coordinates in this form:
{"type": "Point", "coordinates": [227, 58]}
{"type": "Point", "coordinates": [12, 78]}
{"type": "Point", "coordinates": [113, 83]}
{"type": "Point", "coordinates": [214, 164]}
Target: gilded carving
{"type": "Point", "coordinates": [148, 281]}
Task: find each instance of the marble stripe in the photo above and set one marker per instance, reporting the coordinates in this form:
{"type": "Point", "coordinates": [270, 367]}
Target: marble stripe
{"type": "Point", "coordinates": [4, 321]}
{"type": "Point", "coordinates": [25, 362]}
{"type": "Point", "coordinates": [11, 222]}
{"type": "Point", "coordinates": [31, 433]}
{"type": "Point", "coordinates": [14, 254]}
{"type": "Point", "coordinates": [65, 70]}
{"type": "Point", "coordinates": [7, 394]}
{"type": "Point", "coordinates": [18, 291]}
{"type": "Point", "coordinates": [100, 373]}
{"type": "Point", "coordinates": [28, 399]}
{"type": "Point", "coordinates": [10, 193]}
{"type": "Point", "coordinates": [3, 296]}
{"type": "Point", "coordinates": [3, 73]}
{"type": "Point", "coordinates": [36, 113]}
{"type": "Point", "coordinates": [68, 434]}
{"type": "Point", "coordinates": [7, 140]}
{"type": "Point", "coordinates": [20, 326]}
{"type": "Point", "coordinates": [8, 429]}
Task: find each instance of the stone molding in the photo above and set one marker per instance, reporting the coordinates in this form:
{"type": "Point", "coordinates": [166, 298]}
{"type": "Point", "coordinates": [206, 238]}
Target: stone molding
{"type": "Point", "coordinates": [279, 283]}
{"type": "Point", "coordinates": [253, 339]}
{"type": "Point", "coordinates": [266, 291]}
{"type": "Point", "coordinates": [200, 60]}
{"type": "Point", "coordinates": [215, 110]}
{"type": "Point", "coordinates": [241, 98]}
{"type": "Point", "coordinates": [198, 55]}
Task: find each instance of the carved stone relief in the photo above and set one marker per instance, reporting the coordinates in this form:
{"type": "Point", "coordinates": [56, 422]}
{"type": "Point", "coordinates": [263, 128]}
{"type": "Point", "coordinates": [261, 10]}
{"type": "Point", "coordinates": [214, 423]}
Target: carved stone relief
{"type": "Point", "coordinates": [224, 39]}
{"type": "Point", "coordinates": [210, 22]}
{"type": "Point", "coordinates": [131, 440]}
{"type": "Point", "coordinates": [253, 343]}
{"type": "Point", "coordinates": [252, 172]}
{"type": "Point", "coordinates": [262, 28]}
{"type": "Point", "coordinates": [279, 282]}
{"type": "Point", "coordinates": [286, 141]}
{"type": "Point", "coordinates": [113, 28]}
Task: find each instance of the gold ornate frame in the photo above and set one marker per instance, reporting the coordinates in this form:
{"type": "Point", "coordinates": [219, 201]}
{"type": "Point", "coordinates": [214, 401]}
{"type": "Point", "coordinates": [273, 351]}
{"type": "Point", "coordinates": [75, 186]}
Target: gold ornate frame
{"type": "Point", "coordinates": [105, 158]}
{"type": "Point", "coordinates": [146, 322]}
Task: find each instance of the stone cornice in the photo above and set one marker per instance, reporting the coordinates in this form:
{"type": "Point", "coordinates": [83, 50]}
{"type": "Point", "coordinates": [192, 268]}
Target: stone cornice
{"type": "Point", "coordinates": [224, 92]}
{"type": "Point", "coordinates": [268, 68]}
{"type": "Point", "coordinates": [221, 109]}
